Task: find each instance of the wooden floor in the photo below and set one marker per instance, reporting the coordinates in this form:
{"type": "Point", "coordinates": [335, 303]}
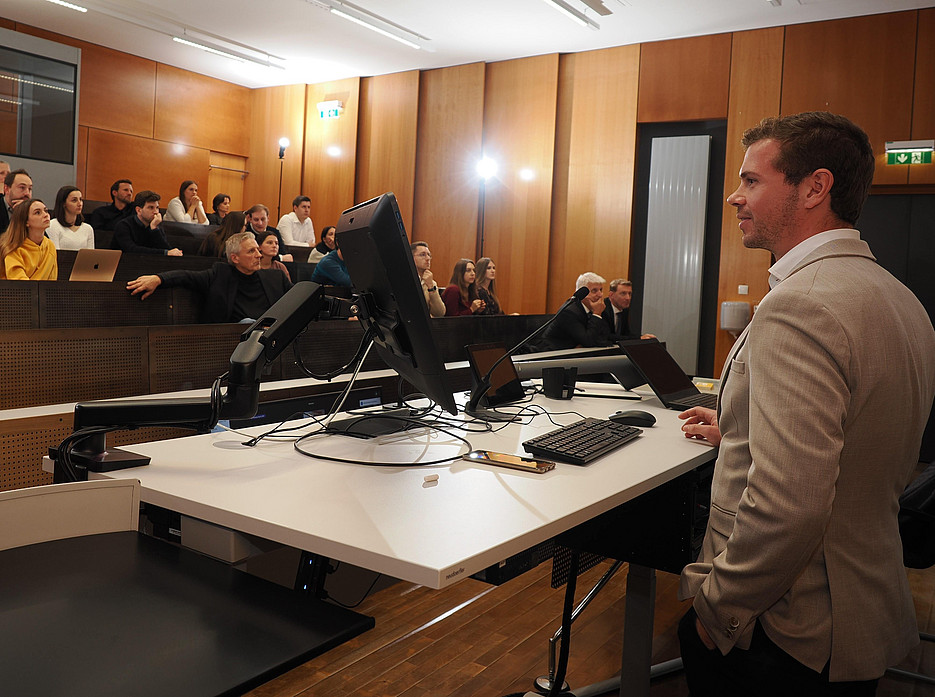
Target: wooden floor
{"type": "Point", "coordinates": [476, 640]}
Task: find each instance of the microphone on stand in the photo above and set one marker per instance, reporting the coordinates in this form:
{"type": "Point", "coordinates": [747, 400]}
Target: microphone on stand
{"type": "Point", "coordinates": [482, 387]}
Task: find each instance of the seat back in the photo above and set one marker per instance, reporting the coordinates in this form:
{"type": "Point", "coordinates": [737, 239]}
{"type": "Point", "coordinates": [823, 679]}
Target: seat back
{"type": "Point", "coordinates": [917, 520]}
{"type": "Point", "coordinates": [57, 511]}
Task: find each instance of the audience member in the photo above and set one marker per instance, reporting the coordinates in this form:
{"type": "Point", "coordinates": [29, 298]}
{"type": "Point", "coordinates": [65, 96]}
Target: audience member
{"type": "Point", "coordinates": [326, 246]}
{"type": "Point", "coordinates": [120, 207]}
{"type": "Point", "coordinates": [4, 169]}
{"type": "Point", "coordinates": [296, 227]}
{"type": "Point", "coordinates": [221, 206]}
{"type": "Point", "coordinates": [269, 250]}
{"type": "Point", "coordinates": [616, 312]}
{"type": "Point", "coordinates": [27, 254]}
{"type": "Point", "coordinates": [214, 241]}
{"type": "Point", "coordinates": [235, 291]}
{"type": "Point", "coordinates": [187, 206]}
{"type": "Point", "coordinates": [67, 230]}
{"type": "Point", "coordinates": [460, 297]}
{"type": "Point", "coordinates": [331, 270]}
{"type": "Point", "coordinates": [17, 186]}
{"type": "Point", "coordinates": [422, 256]}
{"type": "Point", "coordinates": [579, 324]}
{"type": "Point", "coordinates": [800, 587]}
{"type": "Point", "coordinates": [141, 233]}
{"type": "Point", "coordinates": [258, 224]}
{"type": "Point", "coordinates": [487, 286]}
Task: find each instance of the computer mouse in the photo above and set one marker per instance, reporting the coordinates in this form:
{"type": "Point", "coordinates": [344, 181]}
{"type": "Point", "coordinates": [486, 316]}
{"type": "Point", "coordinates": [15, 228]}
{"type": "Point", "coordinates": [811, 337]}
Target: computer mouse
{"type": "Point", "coordinates": [633, 417]}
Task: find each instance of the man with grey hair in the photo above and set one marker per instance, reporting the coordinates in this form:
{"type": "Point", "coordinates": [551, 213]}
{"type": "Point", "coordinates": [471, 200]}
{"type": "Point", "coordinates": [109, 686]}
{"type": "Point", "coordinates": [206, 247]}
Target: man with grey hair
{"type": "Point", "coordinates": [579, 324]}
{"type": "Point", "coordinates": [235, 291]}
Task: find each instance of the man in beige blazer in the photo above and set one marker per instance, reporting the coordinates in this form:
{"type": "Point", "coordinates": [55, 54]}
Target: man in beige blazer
{"type": "Point", "coordinates": [800, 587]}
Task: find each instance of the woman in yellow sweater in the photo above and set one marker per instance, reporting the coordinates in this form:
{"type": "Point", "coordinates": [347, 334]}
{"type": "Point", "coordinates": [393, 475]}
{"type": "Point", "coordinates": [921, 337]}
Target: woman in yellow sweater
{"type": "Point", "coordinates": [27, 254]}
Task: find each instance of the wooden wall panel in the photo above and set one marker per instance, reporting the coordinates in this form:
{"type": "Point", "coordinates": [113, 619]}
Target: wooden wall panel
{"type": "Point", "coordinates": [202, 112]}
{"type": "Point", "coordinates": [328, 179]}
{"type": "Point", "coordinates": [860, 67]}
{"type": "Point", "coordinates": [450, 143]}
{"type": "Point", "coordinates": [150, 164]}
{"type": "Point", "coordinates": [684, 79]}
{"type": "Point", "coordinates": [755, 85]}
{"type": "Point", "coordinates": [276, 112]}
{"type": "Point", "coordinates": [519, 134]}
{"type": "Point", "coordinates": [117, 89]}
{"type": "Point", "coordinates": [923, 101]}
{"type": "Point", "coordinates": [81, 163]}
{"type": "Point", "coordinates": [386, 141]}
{"type": "Point", "coordinates": [223, 178]}
{"type": "Point", "coordinates": [592, 196]}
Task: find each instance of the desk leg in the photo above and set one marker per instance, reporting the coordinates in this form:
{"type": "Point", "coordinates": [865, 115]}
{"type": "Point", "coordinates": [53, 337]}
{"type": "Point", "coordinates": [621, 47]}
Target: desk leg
{"type": "Point", "coordinates": [638, 631]}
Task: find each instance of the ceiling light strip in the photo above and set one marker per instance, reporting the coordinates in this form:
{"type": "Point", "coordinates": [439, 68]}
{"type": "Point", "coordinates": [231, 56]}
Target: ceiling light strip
{"type": "Point", "coordinates": [373, 27]}
{"type": "Point", "coordinates": [573, 14]}
{"type": "Point", "coordinates": [70, 6]}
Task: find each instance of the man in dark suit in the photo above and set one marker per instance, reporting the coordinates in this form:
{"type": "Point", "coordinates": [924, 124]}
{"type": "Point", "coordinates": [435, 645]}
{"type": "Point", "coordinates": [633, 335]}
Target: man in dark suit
{"type": "Point", "coordinates": [616, 311]}
{"type": "Point", "coordinates": [17, 186]}
{"type": "Point", "coordinates": [140, 233]}
{"type": "Point", "coordinates": [234, 291]}
{"type": "Point", "coordinates": [120, 207]}
{"type": "Point", "coordinates": [579, 324]}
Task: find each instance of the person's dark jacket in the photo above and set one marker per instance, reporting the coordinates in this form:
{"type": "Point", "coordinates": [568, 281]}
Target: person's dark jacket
{"type": "Point", "coordinates": [218, 286]}
{"type": "Point", "coordinates": [133, 235]}
{"type": "Point", "coordinates": [610, 319]}
{"type": "Point", "coordinates": [573, 327]}
{"type": "Point", "coordinates": [107, 217]}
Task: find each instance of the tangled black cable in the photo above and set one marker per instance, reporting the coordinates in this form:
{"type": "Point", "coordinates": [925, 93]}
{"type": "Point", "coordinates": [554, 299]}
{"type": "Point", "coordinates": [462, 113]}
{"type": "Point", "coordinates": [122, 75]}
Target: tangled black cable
{"type": "Point", "coordinates": [364, 342]}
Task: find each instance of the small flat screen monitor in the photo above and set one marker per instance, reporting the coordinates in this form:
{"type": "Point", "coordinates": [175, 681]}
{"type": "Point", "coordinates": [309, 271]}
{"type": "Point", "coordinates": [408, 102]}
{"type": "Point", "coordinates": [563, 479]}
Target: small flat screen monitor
{"type": "Point", "coordinates": [505, 386]}
{"type": "Point", "coordinates": [376, 250]}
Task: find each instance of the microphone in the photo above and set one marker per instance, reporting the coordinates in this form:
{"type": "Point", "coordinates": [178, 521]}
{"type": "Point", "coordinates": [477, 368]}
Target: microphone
{"type": "Point", "coordinates": [484, 385]}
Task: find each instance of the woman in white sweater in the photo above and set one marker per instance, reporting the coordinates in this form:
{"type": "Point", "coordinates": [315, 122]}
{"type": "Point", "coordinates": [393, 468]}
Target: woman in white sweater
{"type": "Point", "coordinates": [187, 206]}
{"type": "Point", "coordinates": [67, 229]}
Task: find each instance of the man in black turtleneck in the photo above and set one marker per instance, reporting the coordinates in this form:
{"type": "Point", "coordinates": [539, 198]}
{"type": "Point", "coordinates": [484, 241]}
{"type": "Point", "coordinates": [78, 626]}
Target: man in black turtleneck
{"type": "Point", "coordinates": [233, 292]}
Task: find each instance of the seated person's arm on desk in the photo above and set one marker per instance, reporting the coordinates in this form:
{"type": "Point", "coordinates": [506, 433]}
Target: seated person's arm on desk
{"type": "Point", "coordinates": [199, 281]}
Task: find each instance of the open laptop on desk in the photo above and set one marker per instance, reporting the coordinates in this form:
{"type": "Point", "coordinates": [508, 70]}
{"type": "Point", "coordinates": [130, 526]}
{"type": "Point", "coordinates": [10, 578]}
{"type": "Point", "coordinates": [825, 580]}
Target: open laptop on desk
{"type": "Point", "coordinates": [95, 265]}
{"type": "Point", "coordinates": [670, 383]}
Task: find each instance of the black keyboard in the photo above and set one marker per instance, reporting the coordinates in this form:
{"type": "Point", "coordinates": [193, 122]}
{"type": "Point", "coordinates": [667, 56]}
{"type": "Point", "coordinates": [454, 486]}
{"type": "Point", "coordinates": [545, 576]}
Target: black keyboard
{"type": "Point", "coordinates": [582, 441]}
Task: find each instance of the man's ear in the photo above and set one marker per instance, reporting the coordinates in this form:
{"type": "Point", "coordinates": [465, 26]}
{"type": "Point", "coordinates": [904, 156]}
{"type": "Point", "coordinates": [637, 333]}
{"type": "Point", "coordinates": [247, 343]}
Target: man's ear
{"type": "Point", "coordinates": [817, 187]}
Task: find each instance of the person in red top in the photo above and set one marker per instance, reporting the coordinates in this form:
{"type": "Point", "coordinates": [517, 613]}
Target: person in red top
{"type": "Point", "coordinates": [461, 295]}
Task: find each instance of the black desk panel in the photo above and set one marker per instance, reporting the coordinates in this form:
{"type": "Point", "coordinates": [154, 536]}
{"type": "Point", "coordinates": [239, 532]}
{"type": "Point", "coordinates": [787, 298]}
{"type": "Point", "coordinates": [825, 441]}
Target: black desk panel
{"type": "Point", "coordinates": [124, 614]}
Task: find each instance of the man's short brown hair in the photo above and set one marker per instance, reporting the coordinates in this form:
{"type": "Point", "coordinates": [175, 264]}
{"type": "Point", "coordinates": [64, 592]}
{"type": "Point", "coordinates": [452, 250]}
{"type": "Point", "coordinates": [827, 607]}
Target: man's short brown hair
{"type": "Point", "coordinates": [820, 140]}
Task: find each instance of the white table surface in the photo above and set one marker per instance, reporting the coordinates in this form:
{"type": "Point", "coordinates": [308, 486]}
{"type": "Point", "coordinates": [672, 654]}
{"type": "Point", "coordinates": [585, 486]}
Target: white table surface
{"type": "Point", "coordinates": [389, 519]}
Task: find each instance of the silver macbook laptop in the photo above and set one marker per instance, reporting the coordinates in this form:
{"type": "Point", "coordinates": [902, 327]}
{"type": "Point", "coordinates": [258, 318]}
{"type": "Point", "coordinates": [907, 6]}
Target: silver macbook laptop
{"type": "Point", "coordinates": [670, 383]}
{"type": "Point", "coordinates": [95, 265]}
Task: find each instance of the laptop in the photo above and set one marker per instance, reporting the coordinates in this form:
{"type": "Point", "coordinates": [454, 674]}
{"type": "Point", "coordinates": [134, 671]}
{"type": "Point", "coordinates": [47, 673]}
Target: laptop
{"type": "Point", "coordinates": [505, 386]}
{"type": "Point", "coordinates": [670, 383]}
{"type": "Point", "coordinates": [95, 265]}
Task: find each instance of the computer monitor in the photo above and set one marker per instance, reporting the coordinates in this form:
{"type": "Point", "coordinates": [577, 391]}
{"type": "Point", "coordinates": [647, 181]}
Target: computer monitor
{"type": "Point", "coordinates": [376, 250]}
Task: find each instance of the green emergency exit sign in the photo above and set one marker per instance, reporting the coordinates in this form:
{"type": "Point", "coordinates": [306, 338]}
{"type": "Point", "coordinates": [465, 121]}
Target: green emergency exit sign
{"type": "Point", "coordinates": [915, 157]}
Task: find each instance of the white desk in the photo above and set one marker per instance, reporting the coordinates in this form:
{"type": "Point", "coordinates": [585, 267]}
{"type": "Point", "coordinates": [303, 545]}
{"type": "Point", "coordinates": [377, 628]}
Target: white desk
{"type": "Point", "coordinates": [388, 519]}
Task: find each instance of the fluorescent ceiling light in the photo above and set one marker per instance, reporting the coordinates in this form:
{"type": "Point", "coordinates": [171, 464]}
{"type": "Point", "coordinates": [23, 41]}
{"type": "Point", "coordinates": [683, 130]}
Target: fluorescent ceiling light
{"type": "Point", "coordinates": [573, 14]}
{"type": "Point", "coordinates": [373, 27]}
{"type": "Point", "coordinates": [909, 145]}
{"type": "Point", "coordinates": [209, 49]}
{"type": "Point", "coordinates": [70, 6]}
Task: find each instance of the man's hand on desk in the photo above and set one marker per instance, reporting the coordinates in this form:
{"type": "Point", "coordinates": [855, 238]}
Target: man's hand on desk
{"type": "Point", "coordinates": [701, 423]}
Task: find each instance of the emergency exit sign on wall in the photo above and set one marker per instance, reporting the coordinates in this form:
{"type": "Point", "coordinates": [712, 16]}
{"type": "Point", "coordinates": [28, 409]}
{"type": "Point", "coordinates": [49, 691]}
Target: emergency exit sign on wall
{"type": "Point", "coordinates": [909, 152]}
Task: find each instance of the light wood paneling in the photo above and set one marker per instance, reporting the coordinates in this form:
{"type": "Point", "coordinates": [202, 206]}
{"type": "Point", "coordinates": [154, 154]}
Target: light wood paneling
{"type": "Point", "coordinates": [519, 134]}
{"type": "Point", "coordinates": [755, 84]}
{"type": "Point", "coordinates": [201, 111]}
{"type": "Point", "coordinates": [592, 196]}
{"type": "Point", "coordinates": [386, 142]}
{"type": "Point", "coordinates": [860, 67]}
{"type": "Point", "coordinates": [81, 163]}
{"type": "Point", "coordinates": [684, 79]}
{"type": "Point", "coordinates": [277, 112]}
{"type": "Point", "coordinates": [150, 164]}
{"type": "Point", "coordinates": [451, 132]}
{"type": "Point", "coordinates": [923, 102]}
{"type": "Point", "coordinates": [225, 181]}
{"type": "Point", "coordinates": [328, 179]}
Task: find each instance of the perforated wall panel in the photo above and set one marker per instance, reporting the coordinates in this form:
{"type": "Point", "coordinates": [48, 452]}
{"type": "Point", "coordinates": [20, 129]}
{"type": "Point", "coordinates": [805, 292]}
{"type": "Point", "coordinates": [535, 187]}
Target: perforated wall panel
{"type": "Point", "coordinates": [85, 304]}
{"type": "Point", "coordinates": [19, 305]}
{"type": "Point", "coordinates": [191, 357]}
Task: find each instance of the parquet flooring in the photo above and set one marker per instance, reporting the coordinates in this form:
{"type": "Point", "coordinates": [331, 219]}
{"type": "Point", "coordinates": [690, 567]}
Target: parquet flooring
{"type": "Point", "coordinates": [476, 640]}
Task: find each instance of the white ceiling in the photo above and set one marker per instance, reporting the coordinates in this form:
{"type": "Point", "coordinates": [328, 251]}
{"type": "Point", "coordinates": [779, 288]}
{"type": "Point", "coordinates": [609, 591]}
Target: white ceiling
{"type": "Point", "coordinates": [317, 46]}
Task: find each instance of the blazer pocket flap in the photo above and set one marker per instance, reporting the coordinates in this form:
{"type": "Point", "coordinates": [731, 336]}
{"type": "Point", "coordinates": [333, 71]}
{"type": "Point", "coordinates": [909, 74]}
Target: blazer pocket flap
{"type": "Point", "coordinates": [721, 520]}
{"type": "Point", "coordinates": [738, 366]}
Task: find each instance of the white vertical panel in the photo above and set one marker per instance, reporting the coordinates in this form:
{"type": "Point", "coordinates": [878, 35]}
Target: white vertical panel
{"type": "Point", "coordinates": [678, 190]}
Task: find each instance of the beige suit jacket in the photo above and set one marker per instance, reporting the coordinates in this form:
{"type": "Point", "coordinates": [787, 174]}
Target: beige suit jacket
{"type": "Point", "coordinates": [822, 406]}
